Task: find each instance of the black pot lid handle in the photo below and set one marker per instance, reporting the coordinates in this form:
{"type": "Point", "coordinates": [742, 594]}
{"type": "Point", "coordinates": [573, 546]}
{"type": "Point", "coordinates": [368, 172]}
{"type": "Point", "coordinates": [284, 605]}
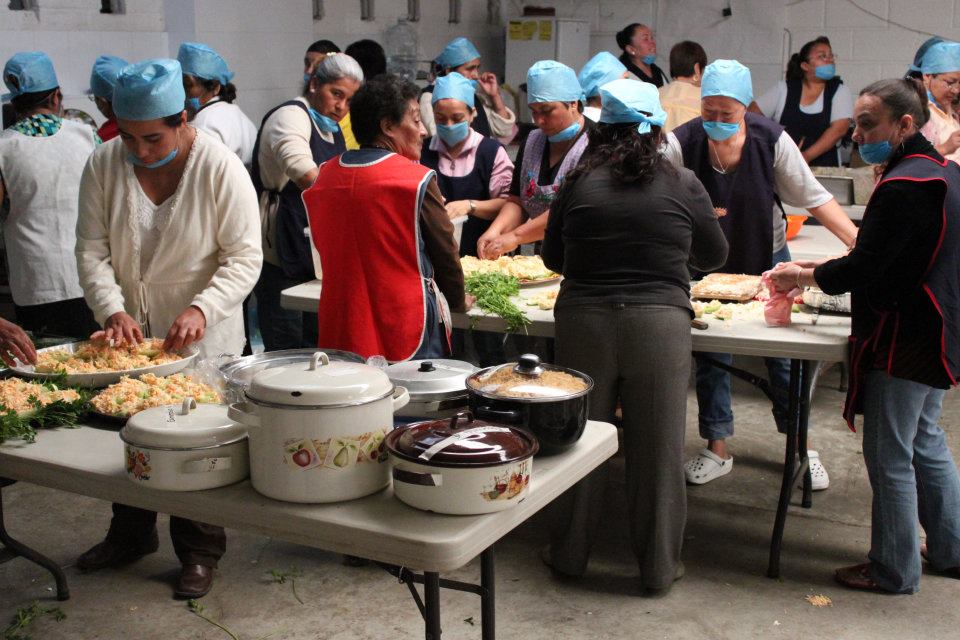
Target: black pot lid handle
{"type": "Point", "coordinates": [465, 416]}
{"type": "Point", "coordinates": [426, 366]}
{"type": "Point", "coordinates": [529, 365]}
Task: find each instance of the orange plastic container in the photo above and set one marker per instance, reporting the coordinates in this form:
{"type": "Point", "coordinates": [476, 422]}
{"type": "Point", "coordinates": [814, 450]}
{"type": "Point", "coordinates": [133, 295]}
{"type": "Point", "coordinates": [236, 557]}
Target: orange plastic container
{"type": "Point", "coordinates": [793, 225]}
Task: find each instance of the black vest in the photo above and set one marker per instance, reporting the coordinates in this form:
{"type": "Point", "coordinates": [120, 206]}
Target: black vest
{"type": "Point", "coordinates": [747, 193]}
{"type": "Point", "coordinates": [806, 128]}
{"type": "Point", "coordinates": [292, 246]}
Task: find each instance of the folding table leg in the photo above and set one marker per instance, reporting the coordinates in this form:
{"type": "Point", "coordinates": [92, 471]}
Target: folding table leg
{"type": "Point", "coordinates": [789, 466]}
{"type": "Point", "coordinates": [488, 604]}
{"type": "Point", "coordinates": [431, 596]}
{"type": "Point", "coordinates": [810, 373]}
{"type": "Point", "coordinates": [22, 550]}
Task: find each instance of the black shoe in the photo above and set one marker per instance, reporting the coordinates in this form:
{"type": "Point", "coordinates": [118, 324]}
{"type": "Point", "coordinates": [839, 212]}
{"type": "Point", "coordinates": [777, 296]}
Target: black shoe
{"type": "Point", "coordinates": [195, 581]}
{"type": "Point", "coordinates": [114, 554]}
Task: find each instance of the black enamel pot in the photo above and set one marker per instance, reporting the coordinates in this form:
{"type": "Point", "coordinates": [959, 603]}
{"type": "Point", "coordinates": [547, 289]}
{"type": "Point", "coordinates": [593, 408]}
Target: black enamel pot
{"type": "Point", "coordinates": [555, 415]}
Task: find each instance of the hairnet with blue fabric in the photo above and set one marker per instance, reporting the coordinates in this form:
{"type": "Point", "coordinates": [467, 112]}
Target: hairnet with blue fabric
{"type": "Point", "coordinates": [457, 52]}
{"type": "Point", "coordinates": [727, 78]}
{"type": "Point", "coordinates": [943, 57]}
{"type": "Point", "coordinates": [103, 78]}
{"type": "Point", "coordinates": [631, 101]}
{"type": "Point", "coordinates": [453, 85]}
{"type": "Point", "coordinates": [599, 70]}
{"type": "Point", "coordinates": [28, 72]}
{"type": "Point", "coordinates": [922, 50]}
{"type": "Point", "coordinates": [149, 90]}
{"type": "Point", "coordinates": [201, 61]}
{"type": "Point", "coordinates": [552, 81]}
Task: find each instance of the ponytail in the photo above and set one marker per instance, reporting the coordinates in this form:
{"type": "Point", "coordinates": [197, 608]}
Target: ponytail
{"type": "Point", "coordinates": [794, 71]}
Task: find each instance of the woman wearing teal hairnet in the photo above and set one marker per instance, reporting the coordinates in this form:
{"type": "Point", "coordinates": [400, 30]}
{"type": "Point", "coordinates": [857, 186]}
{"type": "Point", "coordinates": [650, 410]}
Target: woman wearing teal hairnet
{"type": "Point", "coordinates": [550, 152]}
{"type": "Point", "coordinates": [941, 78]}
{"type": "Point", "coordinates": [168, 246]}
{"type": "Point", "coordinates": [748, 164]}
{"type": "Point", "coordinates": [103, 78]}
{"type": "Point", "coordinates": [599, 70]}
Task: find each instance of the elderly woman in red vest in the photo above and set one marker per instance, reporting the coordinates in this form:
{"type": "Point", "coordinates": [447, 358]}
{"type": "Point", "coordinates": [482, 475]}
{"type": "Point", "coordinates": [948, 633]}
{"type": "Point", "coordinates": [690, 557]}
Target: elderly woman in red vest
{"type": "Point", "coordinates": [391, 267]}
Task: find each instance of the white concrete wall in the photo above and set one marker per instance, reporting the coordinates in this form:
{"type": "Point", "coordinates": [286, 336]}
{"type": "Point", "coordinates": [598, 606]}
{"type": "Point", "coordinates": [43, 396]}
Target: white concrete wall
{"type": "Point", "coordinates": [264, 41]}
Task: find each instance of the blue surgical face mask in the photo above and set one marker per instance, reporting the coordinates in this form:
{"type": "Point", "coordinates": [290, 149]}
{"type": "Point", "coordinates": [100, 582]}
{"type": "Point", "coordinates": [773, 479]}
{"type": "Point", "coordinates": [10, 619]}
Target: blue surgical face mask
{"type": "Point", "coordinates": [325, 124]}
{"type": "Point", "coordinates": [453, 134]}
{"type": "Point", "coordinates": [933, 100]}
{"type": "Point", "coordinates": [826, 71]}
{"type": "Point", "coordinates": [474, 84]}
{"type": "Point", "coordinates": [876, 152]}
{"type": "Point", "coordinates": [649, 58]}
{"type": "Point", "coordinates": [306, 78]}
{"type": "Point", "coordinates": [567, 134]}
{"type": "Point", "coordinates": [153, 165]}
{"type": "Point", "coordinates": [193, 104]}
{"type": "Point", "coordinates": [720, 130]}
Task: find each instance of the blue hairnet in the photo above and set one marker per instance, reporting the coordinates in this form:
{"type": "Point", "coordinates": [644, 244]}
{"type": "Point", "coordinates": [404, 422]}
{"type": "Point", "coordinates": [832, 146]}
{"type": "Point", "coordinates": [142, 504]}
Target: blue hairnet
{"type": "Point", "coordinates": [103, 78]}
{"type": "Point", "coordinates": [918, 56]}
{"type": "Point", "coordinates": [599, 70]}
{"type": "Point", "coordinates": [457, 52]}
{"type": "Point", "coordinates": [149, 90]}
{"type": "Point", "coordinates": [29, 72]}
{"type": "Point", "coordinates": [727, 78]}
{"type": "Point", "coordinates": [201, 61]}
{"type": "Point", "coordinates": [631, 101]}
{"type": "Point", "coordinates": [552, 81]}
{"type": "Point", "coordinates": [943, 57]}
{"type": "Point", "coordinates": [453, 85]}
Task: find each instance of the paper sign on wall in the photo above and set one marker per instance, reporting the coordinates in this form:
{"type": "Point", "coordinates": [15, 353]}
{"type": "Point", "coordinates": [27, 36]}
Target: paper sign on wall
{"type": "Point", "coordinates": [546, 30]}
{"type": "Point", "coordinates": [515, 31]}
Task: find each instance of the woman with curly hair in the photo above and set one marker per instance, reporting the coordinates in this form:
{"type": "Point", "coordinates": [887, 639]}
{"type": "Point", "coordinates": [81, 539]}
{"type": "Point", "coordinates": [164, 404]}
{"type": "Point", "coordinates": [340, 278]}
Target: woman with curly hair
{"type": "Point", "coordinates": [622, 231]}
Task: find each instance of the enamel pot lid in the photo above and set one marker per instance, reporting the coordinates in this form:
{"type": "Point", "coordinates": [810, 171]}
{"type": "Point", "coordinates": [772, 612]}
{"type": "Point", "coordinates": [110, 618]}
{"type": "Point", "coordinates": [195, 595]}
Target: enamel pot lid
{"type": "Point", "coordinates": [437, 379]}
{"type": "Point", "coordinates": [319, 383]}
{"type": "Point", "coordinates": [461, 441]}
{"type": "Point", "coordinates": [185, 426]}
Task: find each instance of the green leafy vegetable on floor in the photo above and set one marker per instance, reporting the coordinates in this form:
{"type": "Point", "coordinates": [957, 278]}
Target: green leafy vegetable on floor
{"type": "Point", "coordinates": [280, 577]}
{"type": "Point", "coordinates": [25, 616]}
{"type": "Point", "coordinates": [493, 292]}
{"type": "Point", "coordinates": [24, 425]}
{"type": "Point", "coordinates": [197, 609]}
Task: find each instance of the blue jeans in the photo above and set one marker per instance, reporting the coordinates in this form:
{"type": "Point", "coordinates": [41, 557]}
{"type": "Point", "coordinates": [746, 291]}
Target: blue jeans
{"type": "Point", "coordinates": [713, 387]}
{"type": "Point", "coordinates": [913, 476]}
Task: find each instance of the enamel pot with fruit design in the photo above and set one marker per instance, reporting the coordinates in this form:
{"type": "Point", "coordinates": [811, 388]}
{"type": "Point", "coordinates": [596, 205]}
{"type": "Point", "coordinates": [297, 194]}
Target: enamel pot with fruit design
{"type": "Point", "coordinates": [460, 465]}
{"type": "Point", "coordinates": [317, 429]}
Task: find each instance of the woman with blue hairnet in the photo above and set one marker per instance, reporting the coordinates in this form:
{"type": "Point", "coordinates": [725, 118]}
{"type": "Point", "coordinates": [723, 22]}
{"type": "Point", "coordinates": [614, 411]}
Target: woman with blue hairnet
{"type": "Point", "coordinates": [103, 78]}
{"type": "Point", "coordinates": [599, 70]}
{"type": "Point", "coordinates": [295, 138]}
{"type": "Point", "coordinates": [941, 78]}
{"type": "Point", "coordinates": [622, 231]}
{"type": "Point", "coordinates": [549, 153]}
{"type": "Point", "coordinates": [748, 164]}
{"type": "Point", "coordinates": [41, 160]}
{"type": "Point", "coordinates": [210, 96]}
{"type": "Point", "coordinates": [168, 245]}
{"type": "Point", "coordinates": [493, 118]}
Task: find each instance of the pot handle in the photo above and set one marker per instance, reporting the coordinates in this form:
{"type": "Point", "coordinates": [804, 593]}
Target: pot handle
{"type": "Point", "coordinates": [417, 478]}
{"type": "Point", "coordinates": [207, 465]}
{"type": "Point", "coordinates": [319, 359]}
{"type": "Point", "coordinates": [237, 413]}
{"type": "Point", "coordinates": [510, 415]}
{"type": "Point", "coordinates": [400, 398]}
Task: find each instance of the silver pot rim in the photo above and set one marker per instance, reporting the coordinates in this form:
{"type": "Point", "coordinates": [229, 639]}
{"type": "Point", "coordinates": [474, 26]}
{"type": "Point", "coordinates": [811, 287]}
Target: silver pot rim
{"type": "Point", "coordinates": [134, 443]}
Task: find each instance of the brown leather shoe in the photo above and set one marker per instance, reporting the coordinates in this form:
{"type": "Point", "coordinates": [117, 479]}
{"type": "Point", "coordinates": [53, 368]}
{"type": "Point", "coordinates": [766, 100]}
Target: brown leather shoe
{"type": "Point", "coordinates": [111, 553]}
{"type": "Point", "coordinates": [195, 581]}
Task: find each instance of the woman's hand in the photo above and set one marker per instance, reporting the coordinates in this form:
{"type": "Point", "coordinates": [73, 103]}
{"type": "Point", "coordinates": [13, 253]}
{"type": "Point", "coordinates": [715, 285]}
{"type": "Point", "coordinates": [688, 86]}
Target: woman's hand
{"type": "Point", "coordinates": [120, 328]}
{"type": "Point", "coordinates": [458, 209]}
{"type": "Point", "coordinates": [468, 301]}
{"type": "Point", "coordinates": [498, 246]}
{"type": "Point", "coordinates": [488, 83]}
{"type": "Point", "coordinates": [15, 344]}
{"type": "Point", "coordinates": [952, 143]}
{"type": "Point", "coordinates": [786, 276]}
{"type": "Point", "coordinates": [188, 328]}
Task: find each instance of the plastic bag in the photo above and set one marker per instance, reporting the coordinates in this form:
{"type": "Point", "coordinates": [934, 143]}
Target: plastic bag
{"type": "Point", "coordinates": [779, 306]}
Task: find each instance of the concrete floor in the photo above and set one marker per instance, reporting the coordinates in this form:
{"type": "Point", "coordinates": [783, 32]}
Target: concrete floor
{"type": "Point", "coordinates": [725, 594]}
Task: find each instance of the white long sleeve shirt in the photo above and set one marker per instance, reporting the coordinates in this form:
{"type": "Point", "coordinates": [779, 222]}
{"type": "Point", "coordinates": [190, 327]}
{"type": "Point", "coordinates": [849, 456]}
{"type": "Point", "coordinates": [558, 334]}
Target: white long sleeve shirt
{"type": "Point", "coordinates": [229, 124]}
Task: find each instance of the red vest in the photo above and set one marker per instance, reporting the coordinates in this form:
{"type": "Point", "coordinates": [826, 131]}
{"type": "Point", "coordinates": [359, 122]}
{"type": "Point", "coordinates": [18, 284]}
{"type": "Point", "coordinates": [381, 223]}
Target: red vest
{"type": "Point", "coordinates": [365, 225]}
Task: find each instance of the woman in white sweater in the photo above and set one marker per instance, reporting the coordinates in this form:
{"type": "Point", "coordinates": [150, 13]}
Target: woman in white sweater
{"type": "Point", "coordinates": [168, 245]}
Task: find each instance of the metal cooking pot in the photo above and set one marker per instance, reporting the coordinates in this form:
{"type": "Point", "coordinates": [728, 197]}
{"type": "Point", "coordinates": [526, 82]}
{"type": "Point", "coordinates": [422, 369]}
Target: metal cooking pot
{"type": "Point", "coordinates": [238, 372]}
{"type": "Point", "coordinates": [438, 388]}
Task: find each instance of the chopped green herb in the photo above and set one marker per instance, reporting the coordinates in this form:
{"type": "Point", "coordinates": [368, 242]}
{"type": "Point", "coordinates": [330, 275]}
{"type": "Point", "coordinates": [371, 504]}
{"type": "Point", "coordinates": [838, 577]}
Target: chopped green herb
{"type": "Point", "coordinates": [493, 292]}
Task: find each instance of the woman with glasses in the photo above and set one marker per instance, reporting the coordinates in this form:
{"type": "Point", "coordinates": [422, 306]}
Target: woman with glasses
{"type": "Point", "coordinates": [941, 77]}
{"type": "Point", "coordinates": [812, 103]}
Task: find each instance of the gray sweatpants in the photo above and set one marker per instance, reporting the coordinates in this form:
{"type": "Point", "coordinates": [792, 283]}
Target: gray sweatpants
{"type": "Point", "coordinates": [639, 355]}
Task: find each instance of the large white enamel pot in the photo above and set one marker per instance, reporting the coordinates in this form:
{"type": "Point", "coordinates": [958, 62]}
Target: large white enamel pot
{"type": "Point", "coordinates": [316, 429]}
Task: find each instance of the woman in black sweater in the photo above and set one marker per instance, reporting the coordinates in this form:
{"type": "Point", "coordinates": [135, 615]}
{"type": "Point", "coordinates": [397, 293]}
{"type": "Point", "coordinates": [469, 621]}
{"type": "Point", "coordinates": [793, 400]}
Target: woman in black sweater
{"type": "Point", "coordinates": [622, 230]}
{"type": "Point", "coordinates": [904, 275]}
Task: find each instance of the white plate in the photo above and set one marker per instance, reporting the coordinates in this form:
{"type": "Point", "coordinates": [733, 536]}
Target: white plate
{"type": "Point", "coordinates": [106, 378]}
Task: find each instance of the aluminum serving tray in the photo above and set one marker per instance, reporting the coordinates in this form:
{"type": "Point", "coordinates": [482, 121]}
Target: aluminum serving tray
{"type": "Point", "coordinates": [106, 378]}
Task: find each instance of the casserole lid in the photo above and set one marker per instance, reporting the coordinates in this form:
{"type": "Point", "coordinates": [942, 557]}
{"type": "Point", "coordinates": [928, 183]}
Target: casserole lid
{"type": "Point", "coordinates": [320, 383]}
{"type": "Point", "coordinates": [240, 371]}
{"type": "Point", "coordinates": [461, 441]}
{"type": "Point", "coordinates": [529, 380]}
{"type": "Point", "coordinates": [432, 379]}
{"type": "Point", "coordinates": [184, 426]}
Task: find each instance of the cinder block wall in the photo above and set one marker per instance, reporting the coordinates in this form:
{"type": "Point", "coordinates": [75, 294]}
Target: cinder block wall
{"type": "Point", "coordinates": [264, 40]}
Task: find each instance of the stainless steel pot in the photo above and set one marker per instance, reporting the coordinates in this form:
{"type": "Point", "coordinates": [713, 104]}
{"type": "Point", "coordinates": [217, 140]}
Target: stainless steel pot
{"type": "Point", "coordinates": [437, 388]}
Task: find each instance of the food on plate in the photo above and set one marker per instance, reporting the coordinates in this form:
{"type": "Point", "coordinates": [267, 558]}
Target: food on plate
{"type": "Point", "coordinates": [131, 395]}
{"type": "Point", "coordinates": [97, 357]}
{"type": "Point", "coordinates": [523, 268]}
{"type": "Point", "coordinates": [493, 292]}
{"type": "Point", "coordinates": [504, 381]}
{"type": "Point", "coordinates": [545, 301]}
{"type": "Point", "coordinates": [26, 398]}
{"type": "Point", "coordinates": [726, 286]}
